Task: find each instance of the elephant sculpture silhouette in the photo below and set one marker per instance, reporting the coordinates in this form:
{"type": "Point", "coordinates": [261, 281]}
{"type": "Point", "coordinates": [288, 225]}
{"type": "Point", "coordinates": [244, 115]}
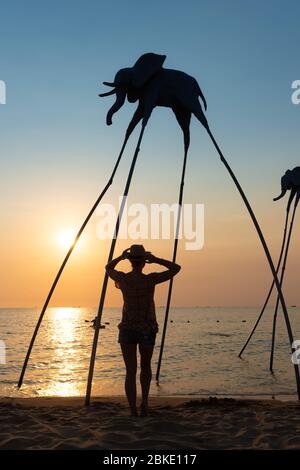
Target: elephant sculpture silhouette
{"type": "Point", "coordinates": [152, 85]}
{"type": "Point", "coordinates": [290, 181]}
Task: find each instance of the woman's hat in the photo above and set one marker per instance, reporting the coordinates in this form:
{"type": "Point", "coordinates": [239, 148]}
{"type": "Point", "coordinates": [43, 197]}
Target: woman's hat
{"type": "Point", "coordinates": [137, 252]}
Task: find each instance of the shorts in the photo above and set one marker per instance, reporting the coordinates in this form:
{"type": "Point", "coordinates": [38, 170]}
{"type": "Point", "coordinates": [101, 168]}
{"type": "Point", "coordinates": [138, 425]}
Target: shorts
{"type": "Point", "coordinates": [137, 337]}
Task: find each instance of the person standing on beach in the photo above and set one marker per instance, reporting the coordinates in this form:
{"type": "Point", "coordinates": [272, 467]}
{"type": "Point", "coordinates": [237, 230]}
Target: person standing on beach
{"type": "Point", "coordinates": [138, 325]}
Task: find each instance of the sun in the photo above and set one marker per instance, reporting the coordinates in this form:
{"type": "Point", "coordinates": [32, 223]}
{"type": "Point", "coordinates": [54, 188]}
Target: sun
{"type": "Point", "coordinates": [66, 238]}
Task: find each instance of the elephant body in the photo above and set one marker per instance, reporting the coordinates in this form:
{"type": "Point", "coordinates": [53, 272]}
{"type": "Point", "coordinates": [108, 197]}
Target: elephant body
{"type": "Point", "coordinates": [293, 178]}
{"type": "Point", "coordinates": [152, 85]}
{"type": "Point", "coordinates": [167, 86]}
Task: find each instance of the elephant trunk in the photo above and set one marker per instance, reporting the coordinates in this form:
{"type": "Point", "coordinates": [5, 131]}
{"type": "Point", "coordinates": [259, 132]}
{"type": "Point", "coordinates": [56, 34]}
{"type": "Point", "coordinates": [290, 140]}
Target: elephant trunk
{"type": "Point", "coordinates": [108, 93]}
{"type": "Point", "coordinates": [121, 95]}
{"type": "Point", "coordinates": [280, 195]}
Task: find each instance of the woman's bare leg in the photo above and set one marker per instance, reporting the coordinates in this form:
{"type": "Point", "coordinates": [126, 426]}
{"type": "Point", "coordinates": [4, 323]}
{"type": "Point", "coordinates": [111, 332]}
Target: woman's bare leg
{"type": "Point", "coordinates": [129, 356]}
{"type": "Point", "coordinates": [146, 375]}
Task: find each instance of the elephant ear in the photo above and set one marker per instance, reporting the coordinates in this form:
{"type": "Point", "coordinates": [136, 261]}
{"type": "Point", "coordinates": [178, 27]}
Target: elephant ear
{"type": "Point", "coordinates": [145, 67]}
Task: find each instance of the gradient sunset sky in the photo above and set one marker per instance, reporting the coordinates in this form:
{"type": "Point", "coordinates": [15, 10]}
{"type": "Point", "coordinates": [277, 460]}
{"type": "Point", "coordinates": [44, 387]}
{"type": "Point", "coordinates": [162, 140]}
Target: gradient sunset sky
{"type": "Point", "coordinates": [57, 152]}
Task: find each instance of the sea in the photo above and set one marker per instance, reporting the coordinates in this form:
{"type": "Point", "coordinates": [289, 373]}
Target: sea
{"type": "Point", "coordinates": [200, 355]}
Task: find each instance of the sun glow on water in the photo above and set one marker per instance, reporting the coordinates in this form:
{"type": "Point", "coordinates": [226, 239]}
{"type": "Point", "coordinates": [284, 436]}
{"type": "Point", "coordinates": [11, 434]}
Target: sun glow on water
{"type": "Point", "coordinates": [62, 335]}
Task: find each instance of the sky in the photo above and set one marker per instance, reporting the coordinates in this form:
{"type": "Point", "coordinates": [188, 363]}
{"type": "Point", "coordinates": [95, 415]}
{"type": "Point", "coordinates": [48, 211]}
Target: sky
{"type": "Point", "coordinates": [57, 152]}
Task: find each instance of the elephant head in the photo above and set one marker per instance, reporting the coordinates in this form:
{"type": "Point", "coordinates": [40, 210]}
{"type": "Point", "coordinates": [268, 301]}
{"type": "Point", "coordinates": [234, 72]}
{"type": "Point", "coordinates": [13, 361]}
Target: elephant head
{"type": "Point", "coordinates": [130, 81]}
{"type": "Point", "coordinates": [290, 181]}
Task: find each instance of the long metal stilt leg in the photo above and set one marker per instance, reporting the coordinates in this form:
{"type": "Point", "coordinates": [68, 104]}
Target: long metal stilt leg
{"type": "Point", "coordinates": [105, 282]}
{"type": "Point", "coordinates": [273, 283]}
{"type": "Point", "coordinates": [174, 260]}
{"type": "Point", "coordinates": [267, 253]}
{"type": "Point", "coordinates": [281, 283]}
{"type": "Point", "coordinates": [66, 260]}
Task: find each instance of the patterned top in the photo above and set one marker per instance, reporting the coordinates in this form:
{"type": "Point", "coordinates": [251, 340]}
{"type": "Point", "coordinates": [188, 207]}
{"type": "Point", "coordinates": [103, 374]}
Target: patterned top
{"type": "Point", "coordinates": [138, 312]}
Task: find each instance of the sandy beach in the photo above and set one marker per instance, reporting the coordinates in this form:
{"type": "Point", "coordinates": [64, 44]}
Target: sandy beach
{"type": "Point", "coordinates": [173, 423]}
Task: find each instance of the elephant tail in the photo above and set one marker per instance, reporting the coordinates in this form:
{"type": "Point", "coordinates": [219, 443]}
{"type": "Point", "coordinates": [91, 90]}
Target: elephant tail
{"type": "Point", "coordinates": [202, 97]}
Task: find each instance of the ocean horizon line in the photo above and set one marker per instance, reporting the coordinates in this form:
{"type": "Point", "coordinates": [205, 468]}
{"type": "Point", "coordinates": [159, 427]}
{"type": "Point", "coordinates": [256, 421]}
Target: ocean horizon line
{"type": "Point", "coordinates": [120, 306]}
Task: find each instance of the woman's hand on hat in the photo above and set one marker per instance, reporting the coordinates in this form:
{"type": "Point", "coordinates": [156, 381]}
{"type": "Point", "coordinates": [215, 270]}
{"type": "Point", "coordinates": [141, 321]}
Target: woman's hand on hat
{"type": "Point", "coordinates": [150, 258]}
{"type": "Point", "coordinates": [125, 253]}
